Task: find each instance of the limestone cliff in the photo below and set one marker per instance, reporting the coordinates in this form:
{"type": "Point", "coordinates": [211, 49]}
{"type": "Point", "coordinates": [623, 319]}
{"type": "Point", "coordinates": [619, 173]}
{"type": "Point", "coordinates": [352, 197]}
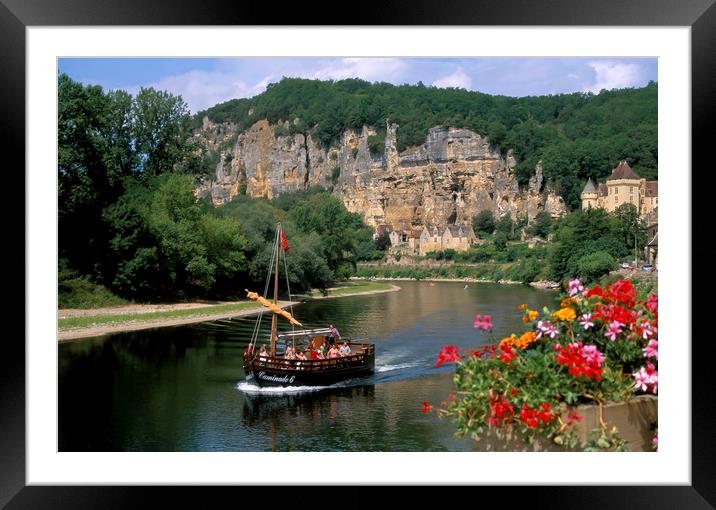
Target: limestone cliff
{"type": "Point", "coordinates": [455, 174]}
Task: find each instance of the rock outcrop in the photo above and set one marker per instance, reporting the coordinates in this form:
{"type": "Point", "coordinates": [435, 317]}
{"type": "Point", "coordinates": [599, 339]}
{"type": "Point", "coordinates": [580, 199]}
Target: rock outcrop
{"type": "Point", "coordinates": [452, 176]}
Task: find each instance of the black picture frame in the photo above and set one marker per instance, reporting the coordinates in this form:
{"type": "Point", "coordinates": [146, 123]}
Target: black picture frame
{"type": "Point", "coordinates": [16, 15]}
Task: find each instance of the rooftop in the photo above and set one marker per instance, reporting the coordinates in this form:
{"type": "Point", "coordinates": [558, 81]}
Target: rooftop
{"type": "Point", "coordinates": [623, 171]}
{"type": "Point", "coordinates": [589, 187]}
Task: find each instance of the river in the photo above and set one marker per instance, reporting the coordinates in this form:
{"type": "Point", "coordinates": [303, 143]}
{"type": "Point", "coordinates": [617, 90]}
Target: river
{"type": "Point", "coordinates": [182, 388]}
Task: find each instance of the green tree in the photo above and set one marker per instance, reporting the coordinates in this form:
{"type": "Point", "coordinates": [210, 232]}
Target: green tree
{"type": "Point", "coordinates": [630, 228]}
{"type": "Point", "coordinates": [483, 222]}
{"type": "Point", "coordinates": [541, 225]}
{"type": "Point", "coordinates": [500, 241]}
{"type": "Point", "coordinates": [592, 266]}
{"type": "Point", "coordinates": [382, 242]}
{"type": "Point", "coordinates": [161, 130]}
{"type": "Point", "coordinates": [506, 225]}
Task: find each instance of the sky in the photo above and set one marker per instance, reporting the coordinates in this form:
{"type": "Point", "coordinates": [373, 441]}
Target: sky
{"type": "Point", "coordinates": [204, 82]}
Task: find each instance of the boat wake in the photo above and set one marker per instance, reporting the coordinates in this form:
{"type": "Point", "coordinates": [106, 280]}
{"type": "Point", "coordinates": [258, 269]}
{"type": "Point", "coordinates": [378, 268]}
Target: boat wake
{"type": "Point", "coordinates": [390, 368]}
{"type": "Point", "coordinates": [252, 389]}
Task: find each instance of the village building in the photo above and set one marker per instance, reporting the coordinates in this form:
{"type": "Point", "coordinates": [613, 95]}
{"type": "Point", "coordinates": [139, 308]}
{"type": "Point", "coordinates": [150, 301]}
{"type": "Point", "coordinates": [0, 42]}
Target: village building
{"type": "Point", "coordinates": [414, 240]}
{"type": "Point", "coordinates": [623, 186]}
{"type": "Point", "coordinates": [420, 241]}
{"type": "Point", "coordinates": [458, 238]}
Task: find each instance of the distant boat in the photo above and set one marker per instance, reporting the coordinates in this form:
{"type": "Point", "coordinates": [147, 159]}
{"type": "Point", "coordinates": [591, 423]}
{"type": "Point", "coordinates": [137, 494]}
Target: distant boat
{"type": "Point", "coordinates": [274, 369]}
{"type": "Point", "coordinates": [465, 288]}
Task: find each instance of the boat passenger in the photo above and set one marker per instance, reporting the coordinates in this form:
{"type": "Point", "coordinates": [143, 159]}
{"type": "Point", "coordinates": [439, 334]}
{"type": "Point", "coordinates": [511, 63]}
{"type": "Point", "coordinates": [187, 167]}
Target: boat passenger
{"type": "Point", "coordinates": [345, 350]}
{"type": "Point", "coordinates": [333, 352]}
{"type": "Point", "coordinates": [290, 353]}
{"type": "Point", "coordinates": [263, 354]}
{"type": "Point", "coordinates": [333, 334]}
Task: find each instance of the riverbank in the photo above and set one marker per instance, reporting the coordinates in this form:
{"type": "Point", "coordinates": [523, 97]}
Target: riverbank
{"type": "Point", "coordinates": [539, 284]}
{"type": "Point", "coordinates": [75, 324]}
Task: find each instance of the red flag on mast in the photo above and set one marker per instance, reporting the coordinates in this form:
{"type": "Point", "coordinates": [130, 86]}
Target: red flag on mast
{"type": "Point", "coordinates": [284, 242]}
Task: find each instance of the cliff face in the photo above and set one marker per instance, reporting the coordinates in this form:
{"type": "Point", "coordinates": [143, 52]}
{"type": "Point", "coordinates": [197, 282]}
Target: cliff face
{"type": "Point", "coordinates": [452, 176]}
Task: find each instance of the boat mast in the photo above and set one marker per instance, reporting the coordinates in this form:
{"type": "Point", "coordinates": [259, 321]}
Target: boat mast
{"type": "Point", "coordinates": [274, 318]}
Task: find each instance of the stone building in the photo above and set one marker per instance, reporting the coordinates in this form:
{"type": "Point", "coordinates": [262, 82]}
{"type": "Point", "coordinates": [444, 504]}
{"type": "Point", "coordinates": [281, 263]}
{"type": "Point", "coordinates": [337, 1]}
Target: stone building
{"type": "Point", "coordinates": [458, 238]}
{"type": "Point", "coordinates": [623, 186]}
{"type": "Point", "coordinates": [430, 240]}
{"type": "Point", "coordinates": [419, 241]}
{"type": "Point", "coordinates": [414, 240]}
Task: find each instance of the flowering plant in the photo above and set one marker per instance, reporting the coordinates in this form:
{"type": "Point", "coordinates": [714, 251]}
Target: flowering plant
{"type": "Point", "coordinates": [600, 345]}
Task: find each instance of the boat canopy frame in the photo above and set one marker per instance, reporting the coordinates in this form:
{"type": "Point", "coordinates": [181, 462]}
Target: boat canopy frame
{"type": "Point", "coordinates": [305, 332]}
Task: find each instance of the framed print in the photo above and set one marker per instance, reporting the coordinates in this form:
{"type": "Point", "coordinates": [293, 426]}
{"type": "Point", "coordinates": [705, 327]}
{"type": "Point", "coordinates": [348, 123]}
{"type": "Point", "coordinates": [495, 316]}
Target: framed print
{"type": "Point", "coordinates": [142, 442]}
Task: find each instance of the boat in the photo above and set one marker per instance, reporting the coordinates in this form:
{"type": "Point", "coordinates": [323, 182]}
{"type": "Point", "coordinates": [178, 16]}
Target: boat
{"type": "Point", "coordinates": [274, 368]}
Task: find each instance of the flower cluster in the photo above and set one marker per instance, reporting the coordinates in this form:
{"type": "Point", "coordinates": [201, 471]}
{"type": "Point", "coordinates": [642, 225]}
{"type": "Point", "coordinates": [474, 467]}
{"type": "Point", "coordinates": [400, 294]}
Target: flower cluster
{"type": "Point", "coordinates": [524, 341]}
{"type": "Point", "coordinates": [600, 345]}
{"type": "Point", "coordinates": [582, 360]}
{"type": "Point", "coordinates": [532, 417]}
{"type": "Point", "coordinates": [449, 354]}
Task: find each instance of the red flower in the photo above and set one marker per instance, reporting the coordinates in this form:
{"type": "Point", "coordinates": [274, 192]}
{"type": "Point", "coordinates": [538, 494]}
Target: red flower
{"type": "Point", "coordinates": [449, 354]}
{"type": "Point", "coordinates": [581, 360]}
{"type": "Point", "coordinates": [427, 407]}
{"type": "Point", "coordinates": [501, 411]}
{"type": "Point", "coordinates": [595, 291]}
{"type": "Point", "coordinates": [532, 417]}
{"type": "Point", "coordinates": [507, 354]}
{"type": "Point", "coordinates": [574, 417]}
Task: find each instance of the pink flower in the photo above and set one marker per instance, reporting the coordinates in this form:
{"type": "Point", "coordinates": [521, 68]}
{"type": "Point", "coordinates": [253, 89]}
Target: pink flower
{"type": "Point", "coordinates": [647, 329]}
{"type": "Point", "coordinates": [653, 302]}
{"type": "Point", "coordinates": [615, 328]}
{"type": "Point", "coordinates": [652, 349]}
{"type": "Point", "coordinates": [592, 355]}
{"type": "Point", "coordinates": [575, 287]}
{"type": "Point", "coordinates": [655, 441]}
{"type": "Point", "coordinates": [546, 328]}
{"type": "Point", "coordinates": [586, 321]}
{"type": "Point", "coordinates": [482, 324]}
{"type": "Point", "coordinates": [646, 378]}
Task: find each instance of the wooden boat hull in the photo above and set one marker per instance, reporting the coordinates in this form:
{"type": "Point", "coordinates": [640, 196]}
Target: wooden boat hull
{"type": "Point", "coordinates": [282, 372]}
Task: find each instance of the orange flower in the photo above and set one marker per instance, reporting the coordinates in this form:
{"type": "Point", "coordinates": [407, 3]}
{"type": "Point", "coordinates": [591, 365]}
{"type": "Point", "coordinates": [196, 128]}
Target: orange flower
{"type": "Point", "coordinates": [530, 316]}
{"type": "Point", "coordinates": [527, 338]}
{"type": "Point", "coordinates": [565, 314]}
{"type": "Point", "coordinates": [508, 340]}
{"type": "Point", "coordinates": [523, 306]}
{"type": "Point", "coordinates": [566, 302]}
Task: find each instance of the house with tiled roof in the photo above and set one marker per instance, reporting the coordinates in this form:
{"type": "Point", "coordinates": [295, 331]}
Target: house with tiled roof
{"type": "Point", "coordinates": [623, 186]}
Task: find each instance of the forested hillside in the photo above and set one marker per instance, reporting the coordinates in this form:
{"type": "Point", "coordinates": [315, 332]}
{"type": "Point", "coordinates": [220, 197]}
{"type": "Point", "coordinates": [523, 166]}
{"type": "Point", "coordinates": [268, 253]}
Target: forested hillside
{"type": "Point", "coordinates": [577, 135]}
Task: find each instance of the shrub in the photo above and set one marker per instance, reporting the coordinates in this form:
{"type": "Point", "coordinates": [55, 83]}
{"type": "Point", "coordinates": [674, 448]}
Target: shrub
{"type": "Point", "coordinates": [594, 265]}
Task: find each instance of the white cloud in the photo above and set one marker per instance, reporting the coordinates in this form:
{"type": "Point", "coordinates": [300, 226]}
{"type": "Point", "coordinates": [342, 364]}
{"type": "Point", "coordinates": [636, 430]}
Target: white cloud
{"type": "Point", "coordinates": [614, 75]}
{"type": "Point", "coordinates": [458, 79]}
{"type": "Point", "coordinates": [370, 69]}
{"type": "Point", "coordinates": [202, 89]}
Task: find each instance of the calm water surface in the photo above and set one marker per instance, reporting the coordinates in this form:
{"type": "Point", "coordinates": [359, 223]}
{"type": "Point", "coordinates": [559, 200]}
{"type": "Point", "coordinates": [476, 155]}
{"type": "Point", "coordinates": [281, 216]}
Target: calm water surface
{"type": "Point", "coordinates": [183, 388]}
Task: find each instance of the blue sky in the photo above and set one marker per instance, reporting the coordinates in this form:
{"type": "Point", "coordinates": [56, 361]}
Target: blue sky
{"type": "Point", "coordinates": [203, 82]}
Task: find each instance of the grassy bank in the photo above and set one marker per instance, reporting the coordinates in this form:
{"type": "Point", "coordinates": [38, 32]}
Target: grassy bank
{"type": "Point", "coordinates": [112, 319]}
